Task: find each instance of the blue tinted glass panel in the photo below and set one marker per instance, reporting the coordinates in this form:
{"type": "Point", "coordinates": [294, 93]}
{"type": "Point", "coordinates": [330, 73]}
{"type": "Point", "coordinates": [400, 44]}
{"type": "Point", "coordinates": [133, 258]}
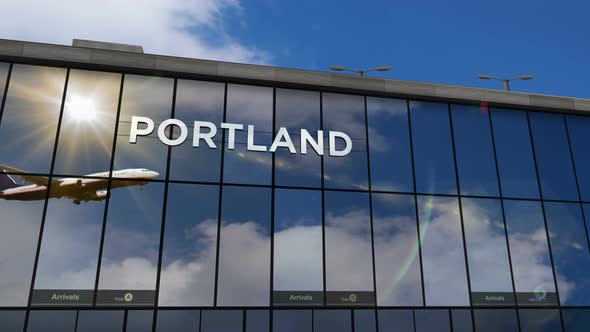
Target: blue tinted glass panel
{"type": "Point", "coordinates": [257, 320]}
{"type": "Point", "coordinates": [222, 321]}
{"type": "Point", "coordinates": [475, 151]}
{"type": "Point", "coordinates": [332, 320]}
{"type": "Point", "coordinates": [514, 151]}
{"type": "Point", "coordinates": [292, 321]}
{"type": "Point", "coordinates": [493, 320]}
{"type": "Point", "coordinates": [396, 320]}
{"type": "Point", "coordinates": [139, 320]}
{"type": "Point", "coordinates": [579, 133]}
{"type": "Point", "coordinates": [12, 320]}
{"type": "Point", "coordinates": [103, 320]}
{"type": "Point", "coordinates": [433, 148]}
{"type": "Point", "coordinates": [51, 321]}
{"type": "Point", "coordinates": [462, 320]}
{"type": "Point", "coordinates": [432, 321]}
{"type": "Point", "coordinates": [365, 321]}
{"type": "Point", "coordinates": [554, 160]}
{"type": "Point", "coordinates": [576, 320]}
{"type": "Point", "coordinates": [178, 320]}
{"type": "Point", "coordinates": [389, 145]}
{"type": "Point", "coordinates": [539, 320]}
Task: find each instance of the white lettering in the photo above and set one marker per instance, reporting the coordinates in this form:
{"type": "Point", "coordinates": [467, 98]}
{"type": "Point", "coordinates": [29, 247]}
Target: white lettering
{"type": "Point", "coordinates": [135, 131]}
{"type": "Point", "coordinates": [175, 141]}
{"type": "Point", "coordinates": [283, 140]}
{"type": "Point", "coordinates": [231, 127]}
{"type": "Point", "coordinates": [318, 145]}
{"type": "Point", "coordinates": [347, 141]}
{"type": "Point", "coordinates": [208, 137]}
{"type": "Point", "coordinates": [251, 146]}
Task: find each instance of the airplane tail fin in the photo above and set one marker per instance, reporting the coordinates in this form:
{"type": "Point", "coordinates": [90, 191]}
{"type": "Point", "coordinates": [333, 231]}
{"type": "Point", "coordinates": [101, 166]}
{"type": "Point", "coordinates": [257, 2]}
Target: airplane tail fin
{"type": "Point", "coordinates": [6, 182]}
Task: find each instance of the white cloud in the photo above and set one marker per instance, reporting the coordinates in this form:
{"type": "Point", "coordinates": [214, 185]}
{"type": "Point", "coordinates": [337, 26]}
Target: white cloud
{"type": "Point", "coordinates": [189, 28]}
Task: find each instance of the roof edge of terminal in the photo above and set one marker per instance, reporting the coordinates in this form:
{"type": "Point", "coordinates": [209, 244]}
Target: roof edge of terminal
{"type": "Point", "coordinates": [107, 46]}
{"type": "Point", "coordinates": [121, 59]}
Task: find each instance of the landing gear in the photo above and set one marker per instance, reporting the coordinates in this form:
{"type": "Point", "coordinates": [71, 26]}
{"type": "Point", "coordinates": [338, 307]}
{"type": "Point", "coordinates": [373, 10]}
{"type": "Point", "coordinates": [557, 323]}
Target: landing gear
{"type": "Point", "coordinates": [77, 202]}
{"type": "Point", "coordinates": [140, 188]}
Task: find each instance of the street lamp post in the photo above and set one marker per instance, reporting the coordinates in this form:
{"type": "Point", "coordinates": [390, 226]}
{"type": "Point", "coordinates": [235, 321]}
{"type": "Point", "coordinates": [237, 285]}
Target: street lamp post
{"type": "Point", "coordinates": [506, 80]}
{"type": "Point", "coordinates": [360, 72]}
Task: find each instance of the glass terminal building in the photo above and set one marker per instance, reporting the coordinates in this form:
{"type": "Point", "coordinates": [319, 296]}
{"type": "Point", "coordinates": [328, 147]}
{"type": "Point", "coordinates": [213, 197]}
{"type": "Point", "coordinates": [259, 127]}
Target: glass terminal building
{"type": "Point", "coordinates": [438, 208]}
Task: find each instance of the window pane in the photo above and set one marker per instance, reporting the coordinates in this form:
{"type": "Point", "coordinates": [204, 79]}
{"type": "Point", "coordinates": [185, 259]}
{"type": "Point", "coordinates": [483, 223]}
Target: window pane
{"type": "Point", "coordinates": [257, 320]}
{"type": "Point", "coordinates": [570, 252]}
{"type": "Point", "coordinates": [493, 320]}
{"type": "Point", "coordinates": [579, 132]}
{"type": "Point", "coordinates": [30, 116]}
{"type": "Point", "coordinates": [331, 320]}
{"type": "Point", "coordinates": [345, 113]}
{"type": "Point", "coordinates": [432, 320]}
{"type": "Point", "coordinates": [139, 320]}
{"type": "Point", "coordinates": [397, 259]}
{"type": "Point", "coordinates": [349, 266]}
{"type": "Point", "coordinates": [514, 151]}
{"type": "Point", "coordinates": [489, 267]}
{"type": "Point", "coordinates": [396, 320]}
{"type": "Point", "coordinates": [12, 321]}
{"type": "Point", "coordinates": [365, 321]}
{"type": "Point", "coordinates": [69, 250]}
{"type": "Point", "coordinates": [531, 264]}
{"type": "Point", "coordinates": [131, 244]}
{"type": "Point", "coordinates": [249, 105]}
{"type": "Point", "coordinates": [539, 320]}
{"type": "Point", "coordinates": [475, 152]}
{"type": "Point", "coordinates": [244, 253]}
{"type": "Point", "coordinates": [190, 246]}
{"type": "Point", "coordinates": [433, 148]}
{"type": "Point", "coordinates": [19, 231]}
{"type": "Point", "coordinates": [576, 320]}
{"type": "Point", "coordinates": [222, 321]}
{"type": "Point", "coordinates": [3, 76]}
{"type": "Point", "coordinates": [292, 321]}
{"type": "Point", "coordinates": [462, 320]}
{"type": "Point", "coordinates": [178, 320]}
{"type": "Point", "coordinates": [88, 123]}
{"type": "Point", "coordinates": [50, 321]}
{"type": "Point", "coordinates": [443, 258]}
{"type": "Point", "coordinates": [298, 110]}
{"type": "Point", "coordinates": [553, 156]}
{"type": "Point", "coordinates": [150, 97]}
{"type": "Point", "coordinates": [198, 101]}
{"type": "Point", "coordinates": [389, 145]}
{"type": "Point", "coordinates": [103, 320]}
{"type": "Point", "coordinates": [298, 265]}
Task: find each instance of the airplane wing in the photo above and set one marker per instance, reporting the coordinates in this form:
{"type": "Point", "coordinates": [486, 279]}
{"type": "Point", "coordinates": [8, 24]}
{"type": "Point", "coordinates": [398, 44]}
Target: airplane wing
{"type": "Point", "coordinates": [34, 179]}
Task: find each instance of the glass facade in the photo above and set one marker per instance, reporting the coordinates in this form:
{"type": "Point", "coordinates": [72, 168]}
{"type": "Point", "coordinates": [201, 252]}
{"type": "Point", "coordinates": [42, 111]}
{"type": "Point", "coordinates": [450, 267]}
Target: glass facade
{"type": "Point", "coordinates": [441, 217]}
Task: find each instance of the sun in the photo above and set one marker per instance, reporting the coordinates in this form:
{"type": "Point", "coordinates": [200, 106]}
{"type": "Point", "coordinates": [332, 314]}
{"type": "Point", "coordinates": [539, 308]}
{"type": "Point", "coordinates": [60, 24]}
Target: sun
{"type": "Point", "coordinates": [81, 109]}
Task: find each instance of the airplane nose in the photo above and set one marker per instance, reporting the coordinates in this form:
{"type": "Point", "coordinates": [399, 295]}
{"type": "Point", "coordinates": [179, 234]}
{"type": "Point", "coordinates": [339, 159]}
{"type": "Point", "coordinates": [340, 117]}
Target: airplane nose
{"type": "Point", "coordinates": [155, 174]}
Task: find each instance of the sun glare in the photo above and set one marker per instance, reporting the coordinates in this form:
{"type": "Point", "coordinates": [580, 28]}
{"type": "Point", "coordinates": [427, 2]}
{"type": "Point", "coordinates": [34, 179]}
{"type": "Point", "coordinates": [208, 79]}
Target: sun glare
{"type": "Point", "coordinates": [82, 109]}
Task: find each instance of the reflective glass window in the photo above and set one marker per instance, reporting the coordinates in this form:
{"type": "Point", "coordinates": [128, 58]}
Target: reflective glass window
{"type": "Point", "coordinates": [493, 320]}
{"type": "Point", "coordinates": [296, 110]}
{"type": "Point", "coordinates": [51, 320]}
{"type": "Point", "coordinates": [389, 145]}
{"type": "Point", "coordinates": [298, 264]}
{"type": "Point", "coordinates": [365, 321]}
{"type": "Point", "coordinates": [88, 123]}
{"type": "Point", "coordinates": [257, 320]}
{"type": "Point", "coordinates": [554, 161]}
{"type": "Point", "coordinates": [198, 101]}
{"type": "Point", "coordinates": [475, 151]}
{"type": "Point", "coordinates": [244, 253]}
{"type": "Point", "coordinates": [571, 257]}
{"type": "Point", "coordinates": [19, 231]}
{"type": "Point", "coordinates": [487, 252]}
{"type": "Point", "coordinates": [139, 321]}
{"type": "Point", "coordinates": [292, 321]}
{"type": "Point", "coordinates": [345, 113]}
{"type": "Point", "coordinates": [443, 257]}
{"type": "Point", "coordinates": [514, 153]}
{"type": "Point", "coordinates": [190, 245]}
{"type": "Point", "coordinates": [249, 105]}
{"type": "Point", "coordinates": [579, 133]}
{"type": "Point", "coordinates": [576, 320]}
{"type": "Point", "coordinates": [12, 320]}
{"type": "Point", "coordinates": [531, 263]}
{"type": "Point", "coordinates": [332, 320]}
{"type": "Point", "coordinates": [30, 116]}
{"type": "Point", "coordinates": [397, 258]}
{"type": "Point", "coordinates": [539, 320]}
{"type": "Point", "coordinates": [178, 320]}
{"type": "Point", "coordinates": [131, 244]}
{"type": "Point", "coordinates": [222, 321]}
{"type": "Point", "coordinates": [100, 320]}
{"type": "Point", "coordinates": [3, 76]}
{"type": "Point", "coordinates": [461, 320]}
{"type": "Point", "coordinates": [433, 148]}
{"type": "Point", "coordinates": [71, 240]}
{"type": "Point", "coordinates": [432, 320]}
{"type": "Point", "coordinates": [396, 320]}
{"type": "Point", "coordinates": [150, 97]}
{"type": "Point", "coordinates": [349, 266]}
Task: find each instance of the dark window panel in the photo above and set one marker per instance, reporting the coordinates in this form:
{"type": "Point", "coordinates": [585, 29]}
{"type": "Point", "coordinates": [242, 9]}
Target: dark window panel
{"type": "Point", "coordinates": [554, 162]}
{"type": "Point", "coordinates": [30, 116]}
{"type": "Point", "coordinates": [222, 321]}
{"type": "Point", "coordinates": [345, 113]}
{"type": "Point", "coordinates": [539, 320]}
{"type": "Point", "coordinates": [570, 252]}
{"type": "Point", "coordinates": [190, 246]}
{"type": "Point", "coordinates": [432, 321]}
{"type": "Point", "coordinates": [178, 320]}
{"type": "Point", "coordinates": [332, 320]}
{"type": "Point", "coordinates": [433, 148]}
{"type": "Point", "coordinates": [103, 320]}
{"type": "Point", "coordinates": [397, 259]}
{"type": "Point", "coordinates": [579, 133]}
{"type": "Point", "coordinates": [531, 263]}
{"type": "Point", "coordinates": [443, 256]}
{"type": "Point", "coordinates": [51, 321]}
{"type": "Point", "coordinates": [365, 321]}
{"type": "Point", "coordinates": [12, 320]}
{"type": "Point", "coordinates": [475, 152]}
{"type": "Point", "coordinates": [3, 76]}
{"type": "Point", "coordinates": [462, 320]}
{"type": "Point", "coordinates": [296, 110]}
{"type": "Point", "coordinates": [244, 253]}
{"type": "Point", "coordinates": [292, 321]}
{"type": "Point", "coordinates": [257, 320]}
{"type": "Point", "coordinates": [389, 145]}
{"type": "Point", "coordinates": [514, 151]}
{"type": "Point", "coordinates": [249, 105]}
{"type": "Point", "coordinates": [198, 101]}
{"type": "Point", "coordinates": [487, 252]}
{"type": "Point", "coordinates": [493, 320]}
{"type": "Point", "coordinates": [139, 321]}
{"type": "Point", "coordinates": [88, 123]}
{"type": "Point", "coordinates": [576, 320]}
{"type": "Point", "coordinates": [396, 320]}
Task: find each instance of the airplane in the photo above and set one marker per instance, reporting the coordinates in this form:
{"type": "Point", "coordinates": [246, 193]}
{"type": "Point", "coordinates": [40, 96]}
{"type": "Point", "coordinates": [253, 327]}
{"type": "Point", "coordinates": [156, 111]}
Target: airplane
{"type": "Point", "coordinates": [93, 188]}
